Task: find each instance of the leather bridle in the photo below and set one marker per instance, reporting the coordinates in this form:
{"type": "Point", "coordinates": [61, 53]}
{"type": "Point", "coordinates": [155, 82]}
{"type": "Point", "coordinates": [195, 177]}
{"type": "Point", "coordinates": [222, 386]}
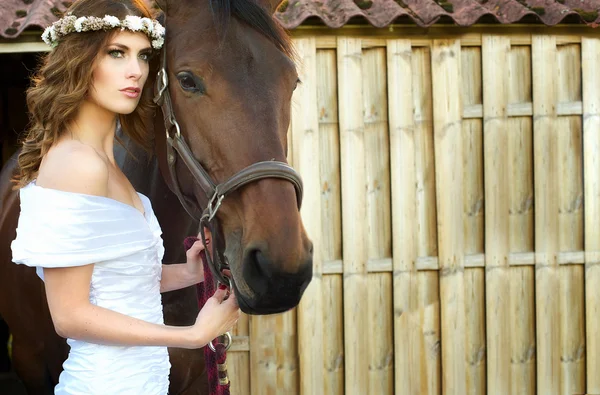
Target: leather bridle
{"type": "Point", "coordinates": [176, 147]}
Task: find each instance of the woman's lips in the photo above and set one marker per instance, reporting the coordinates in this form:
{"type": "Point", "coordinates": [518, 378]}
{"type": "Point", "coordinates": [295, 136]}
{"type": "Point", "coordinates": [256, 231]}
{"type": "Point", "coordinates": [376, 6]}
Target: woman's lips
{"type": "Point", "coordinates": [132, 93]}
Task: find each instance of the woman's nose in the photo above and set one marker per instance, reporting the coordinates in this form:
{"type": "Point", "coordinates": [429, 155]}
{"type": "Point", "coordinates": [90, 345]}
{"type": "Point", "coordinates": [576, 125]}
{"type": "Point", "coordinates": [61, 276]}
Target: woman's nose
{"type": "Point", "coordinates": [134, 70]}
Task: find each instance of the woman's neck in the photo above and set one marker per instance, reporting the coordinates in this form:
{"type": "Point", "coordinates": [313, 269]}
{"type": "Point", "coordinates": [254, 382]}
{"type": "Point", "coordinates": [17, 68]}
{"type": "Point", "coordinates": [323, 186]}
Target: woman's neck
{"type": "Point", "coordinates": [95, 126]}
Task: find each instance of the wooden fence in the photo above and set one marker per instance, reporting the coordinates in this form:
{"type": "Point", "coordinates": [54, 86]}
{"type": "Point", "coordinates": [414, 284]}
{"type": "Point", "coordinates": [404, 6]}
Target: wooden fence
{"type": "Point", "coordinates": [446, 177]}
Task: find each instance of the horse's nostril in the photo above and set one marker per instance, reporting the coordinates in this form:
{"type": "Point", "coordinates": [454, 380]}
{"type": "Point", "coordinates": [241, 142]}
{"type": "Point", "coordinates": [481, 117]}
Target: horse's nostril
{"type": "Point", "coordinates": [255, 270]}
{"type": "Point", "coordinates": [262, 263]}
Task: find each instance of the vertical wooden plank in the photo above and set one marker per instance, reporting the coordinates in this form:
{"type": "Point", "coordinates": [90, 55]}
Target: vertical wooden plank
{"type": "Point", "coordinates": [238, 362]}
{"type": "Point", "coordinates": [428, 300]}
{"type": "Point", "coordinates": [473, 224]}
{"type": "Point", "coordinates": [590, 48]}
{"type": "Point", "coordinates": [305, 127]}
{"type": "Point", "coordinates": [447, 110]}
{"type": "Point", "coordinates": [286, 348]}
{"type": "Point", "coordinates": [378, 220]}
{"type": "Point", "coordinates": [331, 221]}
{"type": "Point", "coordinates": [352, 142]}
{"type": "Point", "coordinates": [497, 189]}
{"type": "Point", "coordinates": [546, 218]}
{"type": "Point", "coordinates": [407, 331]}
{"type": "Point", "coordinates": [263, 357]}
{"type": "Point", "coordinates": [570, 222]}
{"type": "Point", "coordinates": [521, 226]}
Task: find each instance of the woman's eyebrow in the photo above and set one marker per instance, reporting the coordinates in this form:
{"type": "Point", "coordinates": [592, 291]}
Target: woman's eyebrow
{"type": "Point", "coordinates": [126, 48]}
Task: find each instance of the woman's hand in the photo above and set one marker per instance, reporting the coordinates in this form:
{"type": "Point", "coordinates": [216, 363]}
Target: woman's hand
{"type": "Point", "coordinates": [194, 265]}
{"type": "Point", "coordinates": [217, 316]}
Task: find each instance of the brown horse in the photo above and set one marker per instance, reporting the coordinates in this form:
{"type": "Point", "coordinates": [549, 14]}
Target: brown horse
{"type": "Point", "coordinates": [231, 80]}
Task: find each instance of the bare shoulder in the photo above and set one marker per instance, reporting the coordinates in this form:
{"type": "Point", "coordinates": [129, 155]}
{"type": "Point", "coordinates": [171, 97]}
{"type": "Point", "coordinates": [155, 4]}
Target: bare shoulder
{"type": "Point", "coordinates": [74, 167]}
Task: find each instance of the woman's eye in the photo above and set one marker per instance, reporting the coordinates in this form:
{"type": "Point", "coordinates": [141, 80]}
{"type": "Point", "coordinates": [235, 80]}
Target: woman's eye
{"type": "Point", "coordinates": [115, 53]}
{"type": "Point", "coordinates": [145, 56]}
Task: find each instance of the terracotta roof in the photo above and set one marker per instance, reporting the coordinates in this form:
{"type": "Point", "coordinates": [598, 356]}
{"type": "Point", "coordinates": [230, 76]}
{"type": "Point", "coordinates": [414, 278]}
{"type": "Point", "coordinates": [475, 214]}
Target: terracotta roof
{"type": "Point", "coordinates": [380, 13]}
{"type": "Point", "coordinates": [17, 15]}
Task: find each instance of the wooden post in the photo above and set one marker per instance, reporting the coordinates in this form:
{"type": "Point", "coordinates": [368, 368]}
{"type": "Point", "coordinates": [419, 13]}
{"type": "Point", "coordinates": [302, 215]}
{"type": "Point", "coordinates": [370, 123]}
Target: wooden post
{"type": "Point", "coordinates": [569, 158]}
{"type": "Point", "coordinates": [407, 333]}
{"type": "Point", "coordinates": [590, 48]}
{"type": "Point", "coordinates": [447, 111]}
{"type": "Point", "coordinates": [473, 222]}
{"type": "Point", "coordinates": [428, 284]}
{"type": "Point", "coordinates": [378, 221]}
{"type": "Point", "coordinates": [331, 221]}
{"type": "Point", "coordinates": [239, 361]}
{"type": "Point", "coordinates": [495, 50]}
{"type": "Point", "coordinates": [354, 188]}
{"type": "Point", "coordinates": [305, 128]}
{"type": "Point", "coordinates": [546, 213]}
{"type": "Point", "coordinates": [521, 226]}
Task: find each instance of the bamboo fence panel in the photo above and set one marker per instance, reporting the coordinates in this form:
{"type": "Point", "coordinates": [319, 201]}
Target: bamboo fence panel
{"type": "Point", "coordinates": [473, 225]}
{"type": "Point", "coordinates": [546, 216]}
{"type": "Point", "coordinates": [570, 221]}
{"type": "Point", "coordinates": [352, 142]}
{"type": "Point", "coordinates": [421, 287]}
{"type": "Point", "coordinates": [378, 221]}
{"type": "Point", "coordinates": [496, 51]}
{"type": "Point", "coordinates": [447, 110]}
{"type": "Point", "coordinates": [590, 48]}
{"type": "Point", "coordinates": [520, 227]}
{"type": "Point", "coordinates": [305, 127]}
{"type": "Point", "coordinates": [331, 215]}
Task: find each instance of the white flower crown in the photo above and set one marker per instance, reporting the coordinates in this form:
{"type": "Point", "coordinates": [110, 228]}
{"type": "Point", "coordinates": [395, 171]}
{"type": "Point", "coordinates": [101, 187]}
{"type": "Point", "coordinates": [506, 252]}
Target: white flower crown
{"type": "Point", "coordinates": [71, 24]}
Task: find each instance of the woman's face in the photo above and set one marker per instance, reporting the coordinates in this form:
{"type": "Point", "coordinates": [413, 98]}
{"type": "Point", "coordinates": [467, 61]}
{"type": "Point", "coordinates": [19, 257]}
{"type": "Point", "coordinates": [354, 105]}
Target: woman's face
{"type": "Point", "coordinates": [120, 72]}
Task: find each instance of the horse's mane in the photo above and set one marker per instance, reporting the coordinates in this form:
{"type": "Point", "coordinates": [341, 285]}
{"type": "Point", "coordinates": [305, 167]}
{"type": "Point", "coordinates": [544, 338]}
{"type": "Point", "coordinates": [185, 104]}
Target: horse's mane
{"type": "Point", "coordinates": [255, 16]}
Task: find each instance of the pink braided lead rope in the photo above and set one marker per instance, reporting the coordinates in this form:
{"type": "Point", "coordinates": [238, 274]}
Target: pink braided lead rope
{"type": "Point", "coordinates": [218, 381]}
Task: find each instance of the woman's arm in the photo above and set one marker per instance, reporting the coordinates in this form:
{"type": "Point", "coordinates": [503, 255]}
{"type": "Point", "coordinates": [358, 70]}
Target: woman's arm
{"type": "Point", "coordinates": [74, 317]}
{"type": "Point", "coordinates": [179, 275]}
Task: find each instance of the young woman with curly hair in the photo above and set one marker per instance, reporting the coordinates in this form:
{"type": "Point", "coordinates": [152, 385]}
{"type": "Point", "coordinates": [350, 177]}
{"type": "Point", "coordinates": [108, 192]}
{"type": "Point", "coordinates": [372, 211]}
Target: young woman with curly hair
{"type": "Point", "coordinates": [93, 239]}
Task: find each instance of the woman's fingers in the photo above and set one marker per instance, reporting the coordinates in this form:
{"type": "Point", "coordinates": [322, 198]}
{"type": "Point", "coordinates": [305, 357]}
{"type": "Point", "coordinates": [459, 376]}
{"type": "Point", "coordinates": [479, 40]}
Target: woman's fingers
{"type": "Point", "coordinates": [220, 295]}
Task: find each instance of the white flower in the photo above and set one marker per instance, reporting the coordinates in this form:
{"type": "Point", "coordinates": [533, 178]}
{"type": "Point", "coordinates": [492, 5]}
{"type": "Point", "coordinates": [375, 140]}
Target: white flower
{"type": "Point", "coordinates": [112, 21]}
{"type": "Point", "coordinates": [133, 23]}
{"type": "Point", "coordinates": [53, 34]}
{"type": "Point", "coordinates": [79, 23]}
{"type": "Point", "coordinates": [46, 35]}
{"type": "Point", "coordinates": [148, 25]}
{"type": "Point", "coordinates": [158, 43]}
{"type": "Point", "coordinates": [159, 30]}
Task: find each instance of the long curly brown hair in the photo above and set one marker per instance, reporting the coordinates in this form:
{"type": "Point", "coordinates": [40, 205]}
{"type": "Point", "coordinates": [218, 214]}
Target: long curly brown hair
{"type": "Point", "coordinates": [63, 81]}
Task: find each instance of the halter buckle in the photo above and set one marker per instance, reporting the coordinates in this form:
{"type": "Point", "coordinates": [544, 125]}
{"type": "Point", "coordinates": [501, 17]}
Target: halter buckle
{"type": "Point", "coordinates": [213, 206]}
{"type": "Point", "coordinates": [162, 84]}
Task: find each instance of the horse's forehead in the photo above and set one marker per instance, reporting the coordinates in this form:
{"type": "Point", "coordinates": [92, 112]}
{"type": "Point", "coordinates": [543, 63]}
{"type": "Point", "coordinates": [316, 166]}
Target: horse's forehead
{"type": "Point", "coordinates": [203, 46]}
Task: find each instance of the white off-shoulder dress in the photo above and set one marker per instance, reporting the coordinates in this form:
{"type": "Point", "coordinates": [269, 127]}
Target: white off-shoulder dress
{"type": "Point", "coordinates": [65, 229]}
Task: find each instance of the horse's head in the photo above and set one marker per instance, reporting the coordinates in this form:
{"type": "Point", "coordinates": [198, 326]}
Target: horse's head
{"type": "Point", "coordinates": [231, 79]}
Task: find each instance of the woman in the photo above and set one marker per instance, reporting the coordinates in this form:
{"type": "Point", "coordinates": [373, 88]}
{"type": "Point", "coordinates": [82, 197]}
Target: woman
{"type": "Point", "coordinates": [94, 240]}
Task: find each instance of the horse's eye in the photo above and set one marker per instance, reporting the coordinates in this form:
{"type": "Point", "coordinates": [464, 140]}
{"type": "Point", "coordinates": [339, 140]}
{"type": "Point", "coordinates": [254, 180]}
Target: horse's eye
{"type": "Point", "coordinates": [189, 82]}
